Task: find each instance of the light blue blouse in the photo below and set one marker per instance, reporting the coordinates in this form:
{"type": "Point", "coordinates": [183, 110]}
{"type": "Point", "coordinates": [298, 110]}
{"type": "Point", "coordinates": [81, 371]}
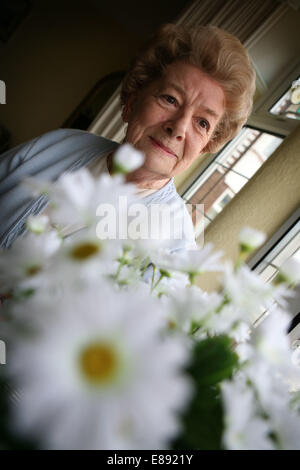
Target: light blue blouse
{"type": "Point", "coordinates": [47, 157]}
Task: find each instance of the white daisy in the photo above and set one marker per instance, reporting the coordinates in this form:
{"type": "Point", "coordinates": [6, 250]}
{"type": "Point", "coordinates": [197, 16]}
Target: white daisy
{"type": "Point", "coordinates": [272, 344]}
{"type": "Point", "coordinates": [189, 308]}
{"type": "Point", "coordinates": [289, 271]}
{"type": "Point", "coordinates": [249, 293]}
{"type": "Point", "coordinates": [128, 275]}
{"type": "Point", "coordinates": [240, 332]}
{"type": "Point", "coordinates": [24, 265]}
{"type": "Point", "coordinates": [270, 388]}
{"type": "Point", "coordinates": [228, 321]}
{"type": "Point", "coordinates": [38, 223]}
{"type": "Point", "coordinates": [191, 262]}
{"type": "Point", "coordinates": [244, 429]}
{"type": "Point", "coordinates": [99, 375]}
{"type": "Point", "coordinates": [245, 351]}
{"type": "Point", "coordinates": [250, 239]}
{"type": "Point", "coordinates": [83, 258]}
{"type": "Point", "coordinates": [127, 159]}
{"type": "Point", "coordinates": [172, 285]}
{"type": "Point", "coordinates": [76, 197]}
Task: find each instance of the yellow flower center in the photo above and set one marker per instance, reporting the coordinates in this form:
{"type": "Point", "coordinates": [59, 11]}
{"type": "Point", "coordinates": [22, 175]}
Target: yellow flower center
{"type": "Point", "coordinates": [172, 324]}
{"type": "Point", "coordinates": [85, 250]}
{"type": "Point", "coordinates": [99, 363]}
{"type": "Point", "coordinates": [33, 270]}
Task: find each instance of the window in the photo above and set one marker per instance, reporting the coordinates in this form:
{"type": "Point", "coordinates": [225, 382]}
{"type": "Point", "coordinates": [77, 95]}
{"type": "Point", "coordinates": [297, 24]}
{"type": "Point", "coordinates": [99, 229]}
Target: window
{"type": "Point", "coordinates": [284, 244]}
{"type": "Point", "coordinates": [276, 111]}
{"type": "Point", "coordinates": [288, 104]}
{"type": "Point", "coordinates": [230, 170]}
{"type": "Point", "coordinates": [222, 176]}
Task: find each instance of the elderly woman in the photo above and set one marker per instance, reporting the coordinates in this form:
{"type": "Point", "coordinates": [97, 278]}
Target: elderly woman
{"type": "Point", "coordinates": [189, 91]}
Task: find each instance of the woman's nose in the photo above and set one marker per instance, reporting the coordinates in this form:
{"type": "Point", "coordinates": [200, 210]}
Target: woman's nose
{"type": "Point", "coordinates": [177, 126]}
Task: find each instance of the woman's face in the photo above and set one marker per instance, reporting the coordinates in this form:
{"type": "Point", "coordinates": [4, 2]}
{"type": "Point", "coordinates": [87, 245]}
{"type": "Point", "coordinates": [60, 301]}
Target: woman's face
{"type": "Point", "coordinates": [173, 118]}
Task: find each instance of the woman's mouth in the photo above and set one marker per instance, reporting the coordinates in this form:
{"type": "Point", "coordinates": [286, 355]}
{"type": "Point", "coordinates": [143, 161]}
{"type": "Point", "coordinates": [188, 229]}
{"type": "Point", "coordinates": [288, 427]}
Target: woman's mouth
{"type": "Point", "coordinates": [162, 147]}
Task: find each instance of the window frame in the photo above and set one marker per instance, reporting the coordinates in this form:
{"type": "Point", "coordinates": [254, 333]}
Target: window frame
{"type": "Point", "coordinates": [188, 190]}
{"type": "Point", "coordinates": [274, 241]}
{"type": "Point", "coordinates": [262, 119]}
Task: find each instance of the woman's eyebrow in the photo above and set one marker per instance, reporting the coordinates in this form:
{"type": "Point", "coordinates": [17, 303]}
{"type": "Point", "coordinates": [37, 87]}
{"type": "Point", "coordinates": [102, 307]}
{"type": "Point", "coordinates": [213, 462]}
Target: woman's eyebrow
{"type": "Point", "coordinates": [211, 112]}
{"type": "Point", "coordinates": [176, 87]}
{"type": "Point", "coordinates": [180, 90]}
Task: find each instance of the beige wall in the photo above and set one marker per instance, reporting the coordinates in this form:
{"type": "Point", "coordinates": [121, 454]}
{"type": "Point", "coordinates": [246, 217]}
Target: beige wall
{"type": "Point", "coordinates": [189, 173]}
{"type": "Point", "coordinates": [53, 60]}
{"type": "Point", "coordinates": [264, 203]}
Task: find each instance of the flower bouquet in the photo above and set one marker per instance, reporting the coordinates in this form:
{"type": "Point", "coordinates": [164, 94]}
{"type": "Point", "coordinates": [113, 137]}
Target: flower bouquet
{"type": "Point", "coordinates": [110, 344]}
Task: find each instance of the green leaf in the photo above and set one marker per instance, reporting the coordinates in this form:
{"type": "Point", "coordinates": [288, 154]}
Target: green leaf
{"type": "Point", "coordinates": [213, 361]}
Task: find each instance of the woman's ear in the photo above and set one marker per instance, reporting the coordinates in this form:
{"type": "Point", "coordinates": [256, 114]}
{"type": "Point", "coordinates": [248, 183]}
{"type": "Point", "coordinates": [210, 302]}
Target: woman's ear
{"type": "Point", "coordinates": [126, 112]}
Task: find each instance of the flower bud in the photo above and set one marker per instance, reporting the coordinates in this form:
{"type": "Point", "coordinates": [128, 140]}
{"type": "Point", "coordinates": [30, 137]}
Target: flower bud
{"type": "Point", "coordinates": [250, 239]}
{"type": "Point", "coordinates": [289, 272]}
{"type": "Point", "coordinates": [127, 159]}
{"type": "Point", "coordinates": [37, 223]}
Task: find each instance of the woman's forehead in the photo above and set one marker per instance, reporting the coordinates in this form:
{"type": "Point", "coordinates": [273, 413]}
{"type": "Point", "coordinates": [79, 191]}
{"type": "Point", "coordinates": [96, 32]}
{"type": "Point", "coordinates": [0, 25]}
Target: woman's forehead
{"type": "Point", "coordinates": [181, 75]}
{"type": "Point", "coordinates": [192, 84]}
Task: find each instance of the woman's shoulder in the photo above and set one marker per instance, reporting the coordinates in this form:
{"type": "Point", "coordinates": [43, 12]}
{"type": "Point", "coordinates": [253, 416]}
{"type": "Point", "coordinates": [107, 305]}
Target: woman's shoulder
{"type": "Point", "coordinates": [58, 140]}
{"type": "Point", "coordinates": [51, 154]}
{"type": "Point", "coordinates": [45, 157]}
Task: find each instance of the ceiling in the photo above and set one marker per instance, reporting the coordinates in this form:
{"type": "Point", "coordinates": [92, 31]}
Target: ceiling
{"type": "Point", "coordinates": [142, 17]}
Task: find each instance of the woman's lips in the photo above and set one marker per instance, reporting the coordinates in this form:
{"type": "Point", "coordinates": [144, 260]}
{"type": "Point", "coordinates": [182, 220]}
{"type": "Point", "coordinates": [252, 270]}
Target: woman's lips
{"type": "Point", "coordinates": [159, 145]}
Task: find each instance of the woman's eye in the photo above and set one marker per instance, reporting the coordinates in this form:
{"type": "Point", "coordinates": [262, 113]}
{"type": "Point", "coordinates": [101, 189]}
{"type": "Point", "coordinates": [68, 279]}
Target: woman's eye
{"type": "Point", "coordinates": [170, 99]}
{"type": "Point", "coordinates": [203, 123]}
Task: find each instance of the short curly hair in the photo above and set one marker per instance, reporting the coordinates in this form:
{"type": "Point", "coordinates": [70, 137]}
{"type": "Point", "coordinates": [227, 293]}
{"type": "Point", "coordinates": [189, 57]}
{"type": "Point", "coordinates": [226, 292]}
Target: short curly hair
{"type": "Point", "coordinates": [217, 53]}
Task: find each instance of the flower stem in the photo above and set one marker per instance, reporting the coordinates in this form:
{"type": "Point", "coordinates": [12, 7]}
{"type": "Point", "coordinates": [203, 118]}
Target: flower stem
{"type": "Point", "coordinates": [155, 285]}
{"type": "Point", "coordinates": [192, 277]}
{"type": "Point", "coordinates": [153, 276]}
{"type": "Point", "coordinates": [146, 266]}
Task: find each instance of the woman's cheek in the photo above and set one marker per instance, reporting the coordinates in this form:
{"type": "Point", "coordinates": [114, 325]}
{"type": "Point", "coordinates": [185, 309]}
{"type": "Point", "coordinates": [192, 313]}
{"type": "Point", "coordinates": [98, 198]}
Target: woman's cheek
{"type": "Point", "coordinates": [134, 132]}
